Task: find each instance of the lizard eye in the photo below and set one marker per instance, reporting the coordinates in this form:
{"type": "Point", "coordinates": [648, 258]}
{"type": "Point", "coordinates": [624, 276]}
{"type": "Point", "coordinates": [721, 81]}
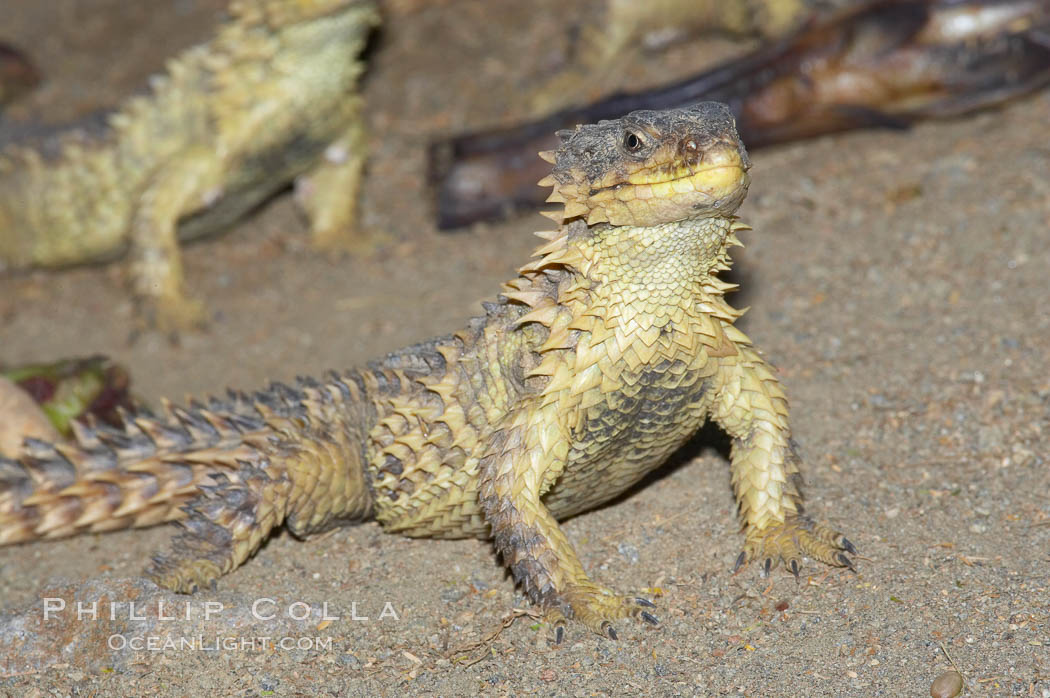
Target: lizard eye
{"type": "Point", "coordinates": [632, 142]}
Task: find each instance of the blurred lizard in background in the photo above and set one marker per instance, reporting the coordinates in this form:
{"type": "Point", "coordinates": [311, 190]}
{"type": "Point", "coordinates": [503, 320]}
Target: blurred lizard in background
{"type": "Point", "coordinates": [271, 99]}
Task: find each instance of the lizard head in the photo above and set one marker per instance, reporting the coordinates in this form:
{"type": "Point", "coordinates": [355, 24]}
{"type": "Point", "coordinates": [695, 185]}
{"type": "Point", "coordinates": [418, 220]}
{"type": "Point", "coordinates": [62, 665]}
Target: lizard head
{"type": "Point", "coordinates": [650, 167]}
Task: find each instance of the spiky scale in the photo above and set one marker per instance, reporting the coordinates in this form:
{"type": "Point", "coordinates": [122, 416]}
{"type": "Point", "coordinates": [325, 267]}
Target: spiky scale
{"type": "Point", "coordinates": [530, 298]}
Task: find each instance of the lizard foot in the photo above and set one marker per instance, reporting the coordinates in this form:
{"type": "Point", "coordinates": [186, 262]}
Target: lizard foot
{"type": "Point", "coordinates": [184, 576]}
{"type": "Point", "coordinates": [170, 315]}
{"type": "Point", "coordinates": [336, 245]}
{"type": "Point", "coordinates": [596, 607]}
{"type": "Point", "coordinates": [787, 542]}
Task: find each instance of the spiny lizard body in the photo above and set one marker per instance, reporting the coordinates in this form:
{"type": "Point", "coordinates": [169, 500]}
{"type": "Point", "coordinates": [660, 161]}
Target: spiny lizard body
{"type": "Point", "coordinates": [607, 352]}
{"type": "Point", "coordinates": [270, 98]}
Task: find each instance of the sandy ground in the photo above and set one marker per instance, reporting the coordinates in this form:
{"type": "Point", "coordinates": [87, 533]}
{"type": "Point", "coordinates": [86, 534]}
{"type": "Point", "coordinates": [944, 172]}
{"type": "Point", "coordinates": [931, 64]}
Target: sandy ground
{"type": "Point", "coordinates": [898, 280]}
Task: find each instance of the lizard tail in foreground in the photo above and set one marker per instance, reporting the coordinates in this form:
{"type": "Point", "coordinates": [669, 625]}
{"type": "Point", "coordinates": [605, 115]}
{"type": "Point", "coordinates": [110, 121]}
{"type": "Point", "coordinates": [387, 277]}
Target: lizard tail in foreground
{"type": "Point", "coordinates": [604, 355]}
{"type": "Point", "coordinates": [226, 465]}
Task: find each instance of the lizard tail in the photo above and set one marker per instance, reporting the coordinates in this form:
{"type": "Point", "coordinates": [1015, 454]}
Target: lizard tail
{"type": "Point", "coordinates": [139, 475]}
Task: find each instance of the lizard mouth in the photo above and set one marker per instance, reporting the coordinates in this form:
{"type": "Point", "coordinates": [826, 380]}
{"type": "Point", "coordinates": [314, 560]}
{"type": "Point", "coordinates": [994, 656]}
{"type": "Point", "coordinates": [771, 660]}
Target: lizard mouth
{"type": "Point", "coordinates": [709, 179]}
{"type": "Point", "coordinates": [680, 189]}
{"type": "Point", "coordinates": [715, 167]}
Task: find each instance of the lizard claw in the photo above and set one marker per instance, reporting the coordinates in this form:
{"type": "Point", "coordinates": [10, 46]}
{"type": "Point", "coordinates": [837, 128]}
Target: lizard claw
{"type": "Point", "coordinates": [559, 634]}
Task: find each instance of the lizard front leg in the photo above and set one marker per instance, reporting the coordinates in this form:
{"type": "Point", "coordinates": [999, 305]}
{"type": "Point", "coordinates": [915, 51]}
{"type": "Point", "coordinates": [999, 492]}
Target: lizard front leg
{"type": "Point", "coordinates": [752, 409]}
{"type": "Point", "coordinates": [179, 186]}
{"type": "Point", "coordinates": [520, 461]}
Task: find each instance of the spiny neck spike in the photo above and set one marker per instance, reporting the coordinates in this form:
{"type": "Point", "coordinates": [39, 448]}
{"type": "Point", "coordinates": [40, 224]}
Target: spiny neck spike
{"type": "Point", "coordinates": [575, 208]}
{"type": "Point", "coordinates": [597, 216]}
